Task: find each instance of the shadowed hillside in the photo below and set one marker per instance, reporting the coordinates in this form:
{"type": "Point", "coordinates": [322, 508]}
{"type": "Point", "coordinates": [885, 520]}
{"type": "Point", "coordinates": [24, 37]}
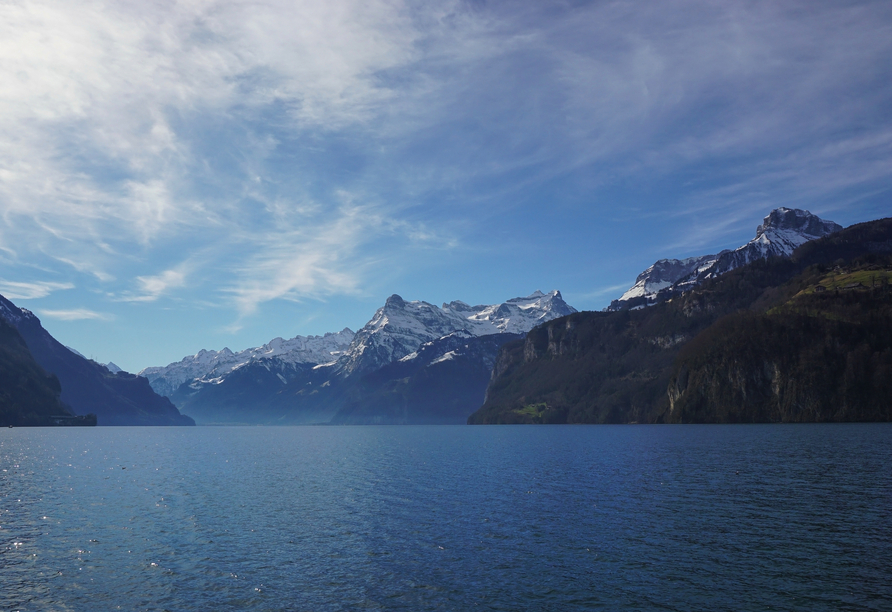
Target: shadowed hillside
{"type": "Point", "coordinates": [88, 387]}
{"type": "Point", "coordinates": [28, 395]}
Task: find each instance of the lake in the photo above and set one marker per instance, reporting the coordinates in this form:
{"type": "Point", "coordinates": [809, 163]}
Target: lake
{"type": "Point", "coordinates": [687, 517]}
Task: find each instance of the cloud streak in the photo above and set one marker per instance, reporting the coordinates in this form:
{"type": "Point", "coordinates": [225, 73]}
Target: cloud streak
{"type": "Point", "coordinates": [14, 290]}
{"type": "Point", "coordinates": [77, 314]}
{"type": "Point", "coordinates": [299, 264]}
{"type": "Point", "coordinates": [150, 288]}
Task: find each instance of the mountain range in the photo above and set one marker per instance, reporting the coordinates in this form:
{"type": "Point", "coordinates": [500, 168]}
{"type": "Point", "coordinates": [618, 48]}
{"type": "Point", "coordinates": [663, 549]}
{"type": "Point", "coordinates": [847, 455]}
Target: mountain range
{"type": "Point", "coordinates": [372, 376]}
{"type": "Point", "coordinates": [781, 232]}
{"type": "Point", "coordinates": [211, 367]}
{"type": "Point", "coordinates": [528, 359]}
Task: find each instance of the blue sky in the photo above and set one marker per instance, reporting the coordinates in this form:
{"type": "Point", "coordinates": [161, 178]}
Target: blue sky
{"type": "Point", "coordinates": [185, 175]}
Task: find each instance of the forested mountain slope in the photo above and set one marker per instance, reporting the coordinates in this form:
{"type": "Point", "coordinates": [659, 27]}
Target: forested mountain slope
{"type": "Point", "coordinates": [802, 339]}
{"type": "Point", "coordinates": [28, 395]}
{"type": "Point", "coordinates": [88, 387]}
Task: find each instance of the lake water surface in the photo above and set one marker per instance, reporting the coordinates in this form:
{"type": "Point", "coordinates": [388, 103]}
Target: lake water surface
{"type": "Point", "coordinates": [447, 518]}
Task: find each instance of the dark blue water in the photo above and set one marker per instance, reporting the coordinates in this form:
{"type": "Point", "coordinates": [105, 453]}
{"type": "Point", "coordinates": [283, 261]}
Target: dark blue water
{"type": "Point", "coordinates": [447, 518]}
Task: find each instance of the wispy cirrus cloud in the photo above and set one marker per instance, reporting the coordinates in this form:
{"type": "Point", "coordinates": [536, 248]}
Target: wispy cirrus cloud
{"type": "Point", "coordinates": [150, 288]}
{"type": "Point", "coordinates": [307, 263]}
{"type": "Point", "coordinates": [77, 314]}
{"type": "Point", "coordinates": [113, 114]}
{"type": "Point", "coordinates": [223, 133]}
{"type": "Point", "coordinates": [15, 290]}
{"type": "Point", "coordinates": [612, 291]}
{"type": "Point", "coordinates": [106, 108]}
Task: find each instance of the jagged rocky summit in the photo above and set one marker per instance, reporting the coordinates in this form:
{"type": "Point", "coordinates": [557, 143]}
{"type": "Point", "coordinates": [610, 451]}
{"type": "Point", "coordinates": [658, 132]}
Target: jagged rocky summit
{"type": "Point", "coordinates": [412, 362]}
{"type": "Point", "coordinates": [87, 387]}
{"type": "Point", "coordinates": [780, 233]}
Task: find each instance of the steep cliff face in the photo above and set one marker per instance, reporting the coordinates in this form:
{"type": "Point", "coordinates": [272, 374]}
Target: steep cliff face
{"type": "Point", "coordinates": [824, 357]}
{"type": "Point", "coordinates": [589, 367]}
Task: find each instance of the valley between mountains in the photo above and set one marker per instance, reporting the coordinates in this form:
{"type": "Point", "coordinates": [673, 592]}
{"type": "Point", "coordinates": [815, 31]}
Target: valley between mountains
{"type": "Point", "coordinates": [794, 326]}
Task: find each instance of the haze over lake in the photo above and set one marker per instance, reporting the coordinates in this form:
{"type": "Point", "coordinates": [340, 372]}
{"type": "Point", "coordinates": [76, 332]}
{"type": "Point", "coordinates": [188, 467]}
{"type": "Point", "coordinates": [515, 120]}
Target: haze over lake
{"type": "Point", "coordinates": [448, 518]}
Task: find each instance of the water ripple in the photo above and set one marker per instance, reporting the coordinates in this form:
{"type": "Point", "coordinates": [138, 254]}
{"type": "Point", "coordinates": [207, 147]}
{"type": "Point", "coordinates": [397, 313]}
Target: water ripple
{"type": "Point", "coordinates": [447, 518]}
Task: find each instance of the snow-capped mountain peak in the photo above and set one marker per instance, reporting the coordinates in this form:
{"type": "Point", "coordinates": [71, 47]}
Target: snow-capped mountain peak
{"type": "Point", "coordinates": [400, 327]}
{"type": "Point", "coordinates": [13, 313]}
{"type": "Point", "coordinates": [664, 273]}
{"type": "Point", "coordinates": [781, 231]}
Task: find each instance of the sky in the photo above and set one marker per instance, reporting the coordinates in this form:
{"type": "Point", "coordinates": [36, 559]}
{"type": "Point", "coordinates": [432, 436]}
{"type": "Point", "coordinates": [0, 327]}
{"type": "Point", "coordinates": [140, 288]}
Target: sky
{"type": "Point", "coordinates": [177, 176]}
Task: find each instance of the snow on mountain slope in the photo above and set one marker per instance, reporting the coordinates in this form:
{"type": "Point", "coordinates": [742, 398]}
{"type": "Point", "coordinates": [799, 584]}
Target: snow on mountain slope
{"type": "Point", "coordinates": [396, 330]}
{"type": "Point", "coordinates": [515, 316]}
{"type": "Point", "coordinates": [216, 364]}
{"type": "Point", "coordinates": [16, 316]}
{"type": "Point", "coordinates": [664, 273]}
{"type": "Point", "coordinates": [780, 233]}
{"type": "Point", "coordinates": [399, 327]}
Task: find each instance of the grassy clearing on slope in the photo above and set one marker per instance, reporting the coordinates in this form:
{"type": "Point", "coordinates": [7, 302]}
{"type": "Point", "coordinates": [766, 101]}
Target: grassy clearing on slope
{"type": "Point", "coordinates": [534, 411]}
{"type": "Point", "coordinates": [855, 279]}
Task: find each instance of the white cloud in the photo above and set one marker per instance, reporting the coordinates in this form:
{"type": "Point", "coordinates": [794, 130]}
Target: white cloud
{"type": "Point", "coordinates": [150, 288]}
{"type": "Point", "coordinates": [100, 103]}
{"type": "Point", "coordinates": [310, 263]}
{"type": "Point", "coordinates": [77, 314]}
{"type": "Point", "coordinates": [30, 290]}
{"type": "Point", "coordinates": [612, 290]}
{"type": "Point", "coordinates": [86, 267]}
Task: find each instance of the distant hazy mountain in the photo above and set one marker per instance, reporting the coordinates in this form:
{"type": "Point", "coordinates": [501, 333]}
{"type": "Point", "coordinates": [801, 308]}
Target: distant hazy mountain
{"type": "Point", "coordinates": [212, 366]}
{"type": "Point", "coordinates": [779, 234]}
{"type": "Point", "coordinates": [112, 367]}
{"type": "Point", "coordinates": [412, 362]}
{"type": "Point", "coordinates": [88, 387]}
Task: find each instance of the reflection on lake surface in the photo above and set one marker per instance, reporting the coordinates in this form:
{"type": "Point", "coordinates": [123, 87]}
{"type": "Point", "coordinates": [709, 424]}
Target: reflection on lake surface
{"type": "Point", "coordinates": [447, 518]}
